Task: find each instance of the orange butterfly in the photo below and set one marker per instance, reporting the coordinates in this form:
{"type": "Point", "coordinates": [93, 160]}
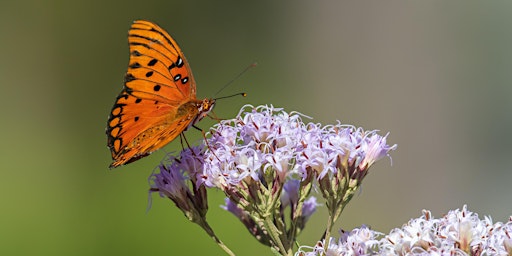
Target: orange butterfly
{"type": "Point", "coordinates": [158, 101]}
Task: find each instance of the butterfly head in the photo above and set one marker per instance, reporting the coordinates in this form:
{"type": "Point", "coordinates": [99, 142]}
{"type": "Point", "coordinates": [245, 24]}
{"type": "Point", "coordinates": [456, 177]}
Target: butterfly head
{"type": "Point", "coordinates": [205, 108]}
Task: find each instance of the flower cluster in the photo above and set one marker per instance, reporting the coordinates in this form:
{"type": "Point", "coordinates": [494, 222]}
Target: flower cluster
{"type": "Point", "coordinates": [268, 137]}
{"type": "Point", "coordinates": [267, 160]}
{"type": "Point", "coordinates": [460, 232]}
{"type": "Point", "coordinates": [176, 180]}
{"type": "Point", "coordinates": [359, 241]}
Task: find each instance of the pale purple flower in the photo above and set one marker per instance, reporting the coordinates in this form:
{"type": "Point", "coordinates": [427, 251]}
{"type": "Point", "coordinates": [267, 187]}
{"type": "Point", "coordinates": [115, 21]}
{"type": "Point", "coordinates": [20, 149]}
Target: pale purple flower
{"type": "Point", "coordinates": [309, 207]}
{"type": "Point", "coordinates": [460, 232]}
{"type": "Point", "coordinates": [171, 180]}
{"type": "Point", "coordinates": [263, 138]}
{"type": "Point", "coordinates": [375, 148]}
{"type": "Point", "coordinates": [233, 208]}
{"type": "Point", "coordinates": [176, 180]}
{"type": "Point", "coordinates": [266, 137]}
{"type": "Point", "coordinates": [171, 183]}
{"type": "Point", "coordinates": [290, 194]}
{"type": "Point", "coordinates": [358, 242]}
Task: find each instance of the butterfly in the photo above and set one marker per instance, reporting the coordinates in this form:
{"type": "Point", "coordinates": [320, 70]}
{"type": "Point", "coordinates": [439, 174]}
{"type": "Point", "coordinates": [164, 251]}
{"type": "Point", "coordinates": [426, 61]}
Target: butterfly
{"type": "Point", "coordinates": [158, 101]}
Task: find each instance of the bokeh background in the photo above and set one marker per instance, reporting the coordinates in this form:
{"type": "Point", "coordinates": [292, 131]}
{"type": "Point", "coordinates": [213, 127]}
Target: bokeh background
{"type": "Point", "coordinates": [436, 74]}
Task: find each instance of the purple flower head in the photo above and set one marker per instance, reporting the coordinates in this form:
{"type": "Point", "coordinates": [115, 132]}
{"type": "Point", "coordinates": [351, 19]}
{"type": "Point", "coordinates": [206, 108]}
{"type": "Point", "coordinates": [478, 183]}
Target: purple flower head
{"type": "Point", "coordinates": [233, 208]}
{"type": "Point", "coordinates": [174, 173]}
{"type": "Point", "coordinates": [170, 182]}
{"type": "Point", "coordinates": [290, 195]}
{"type": "Point", "coordinates": [309, 207]}
{"type": "Point", "coordinates": [177, 180]}
{"type": "Point", "coordinates": [358, 148]}
{"type": "Point", "coordinates": [267, 138]}
{"type": "Point", "coordinates": [262, 139]}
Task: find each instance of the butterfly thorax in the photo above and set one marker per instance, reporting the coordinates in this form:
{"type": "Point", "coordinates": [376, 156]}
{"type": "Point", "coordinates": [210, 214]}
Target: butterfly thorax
{"type": "Point", "coordinates": [195, 110]}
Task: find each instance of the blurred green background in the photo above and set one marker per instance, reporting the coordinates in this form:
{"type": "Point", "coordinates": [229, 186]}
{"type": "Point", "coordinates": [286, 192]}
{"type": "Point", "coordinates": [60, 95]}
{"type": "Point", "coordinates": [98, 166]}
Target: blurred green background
{"type": "Point", "coordinates": [436, 74]}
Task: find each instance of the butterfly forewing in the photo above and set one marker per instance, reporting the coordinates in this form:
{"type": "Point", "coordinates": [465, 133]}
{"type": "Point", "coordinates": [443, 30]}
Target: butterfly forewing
{"type": "Point", "coordinates": [158, 101]}
{"type": "Point", "coordinates": [157, 61]}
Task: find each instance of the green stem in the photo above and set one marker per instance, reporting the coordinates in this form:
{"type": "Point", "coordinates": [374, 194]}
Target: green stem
{"type": "Point", "coordinates": [210, 232]}
{"type": "Point", "coordinates": [330, 224]}
{"type": "Point", "coordinates": [275, 236]}
{"type": "Point", "coordinates": [336, 213]}
{"type": "Point", "coordinates": [293, 225]}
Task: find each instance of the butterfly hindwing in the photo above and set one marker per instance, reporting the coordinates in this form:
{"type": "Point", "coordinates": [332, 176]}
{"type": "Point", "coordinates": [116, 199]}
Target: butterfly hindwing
{"type": "Point", "coordinates": [137, 127]}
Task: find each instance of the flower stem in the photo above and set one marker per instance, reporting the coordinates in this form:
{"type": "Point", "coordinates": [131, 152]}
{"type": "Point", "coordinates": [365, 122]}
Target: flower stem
{"type": "Point", "coordinates": [276, 237]}
{"type": "Point", "coordinates": [336, 212]}
{"type": "Point", "coordinates": [330, 224]}
{"type": "Point", "coordinates": [210, 232]}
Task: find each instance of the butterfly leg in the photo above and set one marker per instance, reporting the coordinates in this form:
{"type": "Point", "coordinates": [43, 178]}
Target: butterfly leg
{"type": "Point", "coordinates": [206, 141]}
{"type": "Point", "coordinates": [213, 116]}
{"type": "Point", "coordinates": [182, 137]}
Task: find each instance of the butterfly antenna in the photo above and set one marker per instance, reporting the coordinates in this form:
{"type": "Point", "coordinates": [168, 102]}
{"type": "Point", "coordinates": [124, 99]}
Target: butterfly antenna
{"type": "Point", "coordinates": [229, 96]}
{"type": "Point", "coordinates": [254, 64]}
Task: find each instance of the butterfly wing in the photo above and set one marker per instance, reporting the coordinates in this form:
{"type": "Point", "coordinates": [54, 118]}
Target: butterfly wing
{"type": "Point", "coordinates": [157, 69]}
{"type": "Point", "coordinates": [147, 114]}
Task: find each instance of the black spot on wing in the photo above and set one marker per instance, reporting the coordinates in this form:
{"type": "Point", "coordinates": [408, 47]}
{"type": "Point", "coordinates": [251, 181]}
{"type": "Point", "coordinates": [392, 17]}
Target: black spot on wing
{"type": "Point", "coordinates": [128, 78]}
{"type": "Point", "coordinates": [152, 62]}
{"type": "Point", "coordinates": [134, 65]}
